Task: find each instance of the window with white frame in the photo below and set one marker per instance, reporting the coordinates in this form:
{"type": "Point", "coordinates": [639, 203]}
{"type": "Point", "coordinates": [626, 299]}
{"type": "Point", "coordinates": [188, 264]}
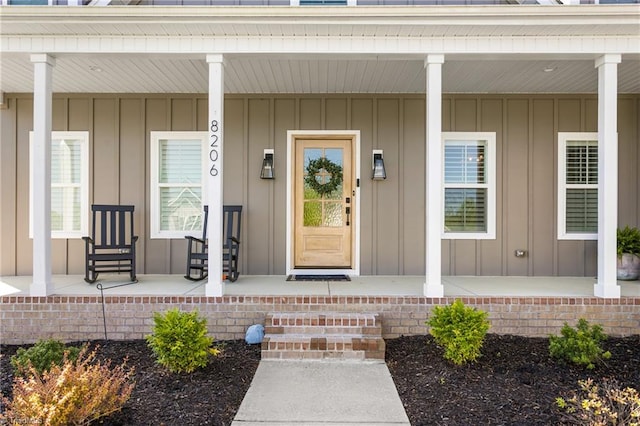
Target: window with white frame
{"type": "Point", "coordinates": [69, 184]}
{"type": "Point", "coordinates": [178, 178]}
{"type": "Point", "coordinates": [469, 185]}
{"type": "Point", "coordinates": [577, 186]}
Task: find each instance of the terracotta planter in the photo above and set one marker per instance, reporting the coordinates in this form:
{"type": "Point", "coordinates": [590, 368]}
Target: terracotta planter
{"type": "Point", "coordinates": [628, 267]}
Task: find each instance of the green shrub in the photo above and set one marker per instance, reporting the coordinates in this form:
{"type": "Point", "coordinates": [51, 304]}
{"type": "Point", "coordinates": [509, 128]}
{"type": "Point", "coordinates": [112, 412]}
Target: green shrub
{"type": "Point", "coordinates": [581, 345]}
{"type": "Point", "coordinates": [179, 340]}
{"type": "Point", "coordinates": [628, 241]}
{"type": "Point", "coordinates": [460, 330]}
{"type": "Point", "coordinates": [601, 405]}
{"type": "Point", "coordinates": [73, 393]}
{"type": "Point", "coordinates": [42, 356]}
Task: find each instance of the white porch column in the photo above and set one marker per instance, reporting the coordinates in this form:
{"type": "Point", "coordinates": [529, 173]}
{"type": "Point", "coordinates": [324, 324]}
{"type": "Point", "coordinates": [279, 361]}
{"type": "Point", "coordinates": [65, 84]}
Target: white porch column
{"type": "Point", "coordinates": [215, 283]}
{"type": "Point", "coordinates": [433, 281]}
{"type": "Point", "coordinates": [42, 91]}
{"type": "Point", "coordinates": [607, 65]}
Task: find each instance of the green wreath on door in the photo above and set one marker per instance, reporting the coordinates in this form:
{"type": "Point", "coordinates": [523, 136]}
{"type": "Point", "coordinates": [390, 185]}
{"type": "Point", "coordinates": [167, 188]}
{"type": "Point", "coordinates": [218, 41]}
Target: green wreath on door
{"type": "Point", "coordinates": [331, 168]}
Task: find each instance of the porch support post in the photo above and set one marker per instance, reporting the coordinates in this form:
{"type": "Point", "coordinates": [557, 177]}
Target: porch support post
{"type": "Point", "coordinates": [607, 66]}
{"type": "Point", "coordinates": [41, 196]}
{"type": "Point", "coordinates": [433, 281]}
{"type": "Point", "coordinates": [215, 283]}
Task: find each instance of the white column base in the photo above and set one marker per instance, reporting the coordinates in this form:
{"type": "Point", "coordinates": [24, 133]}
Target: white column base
{"type": "Point", "coordinates": [606, 291]}
{"type": "Point", "coordinates": [214, 288]}
{"type": "Point", "coordinates": [433, 290]}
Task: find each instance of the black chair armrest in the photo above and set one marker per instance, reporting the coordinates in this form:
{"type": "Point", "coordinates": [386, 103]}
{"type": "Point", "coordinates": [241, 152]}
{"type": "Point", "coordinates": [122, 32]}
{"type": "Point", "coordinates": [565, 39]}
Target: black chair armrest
{"type": "Point", "coordinates": [196, 239]}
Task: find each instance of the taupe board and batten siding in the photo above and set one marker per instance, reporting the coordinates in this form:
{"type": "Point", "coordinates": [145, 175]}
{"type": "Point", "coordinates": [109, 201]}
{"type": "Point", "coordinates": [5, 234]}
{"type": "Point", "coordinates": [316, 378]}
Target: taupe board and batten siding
{"type": "Point", "coordinates": [392, 211]}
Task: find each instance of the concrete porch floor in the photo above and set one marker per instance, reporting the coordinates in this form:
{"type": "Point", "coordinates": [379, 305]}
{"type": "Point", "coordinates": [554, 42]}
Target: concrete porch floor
{"type": "Point", "coordinates": [259, 285]}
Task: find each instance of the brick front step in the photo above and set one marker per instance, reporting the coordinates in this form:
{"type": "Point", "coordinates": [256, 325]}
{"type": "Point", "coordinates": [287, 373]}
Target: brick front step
{"type": "Point", "coordinates": [331, 335]}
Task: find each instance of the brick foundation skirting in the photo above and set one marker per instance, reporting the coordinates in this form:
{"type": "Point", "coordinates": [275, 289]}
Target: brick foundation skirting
{"type": "Point", "coordinates": [25, 319]}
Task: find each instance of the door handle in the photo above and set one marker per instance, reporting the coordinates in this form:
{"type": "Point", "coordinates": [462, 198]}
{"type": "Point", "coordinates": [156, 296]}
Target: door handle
{"type": "Point", "coordinates": [348, 212]}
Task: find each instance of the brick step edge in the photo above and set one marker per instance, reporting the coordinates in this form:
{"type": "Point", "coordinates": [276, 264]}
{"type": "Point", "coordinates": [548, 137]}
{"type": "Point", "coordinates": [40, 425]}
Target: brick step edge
{"type": "Point", "coordinates": [324, 355]}
{"type": "Point", "coordinates": [324, 330]}
{"type": "Point", "coordinates": [301, 343]}
{"type": "Point", "coordinates": [320, 319]}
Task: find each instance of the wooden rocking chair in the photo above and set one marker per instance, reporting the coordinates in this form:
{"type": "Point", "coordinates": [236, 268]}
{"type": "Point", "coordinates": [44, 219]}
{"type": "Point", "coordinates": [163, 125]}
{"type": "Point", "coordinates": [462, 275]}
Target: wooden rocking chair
{"type": "Point", "coordinates": [197, 250]}
{"type": "Point", "coordinates": [112, 244]}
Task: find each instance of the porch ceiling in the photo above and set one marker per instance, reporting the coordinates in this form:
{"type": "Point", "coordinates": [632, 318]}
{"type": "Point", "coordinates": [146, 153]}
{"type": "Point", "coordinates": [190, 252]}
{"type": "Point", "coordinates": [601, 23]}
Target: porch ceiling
{"type": "Point", "coordinates": [264, 75]}
{"type": "Point", "coordinates": [320, 50]}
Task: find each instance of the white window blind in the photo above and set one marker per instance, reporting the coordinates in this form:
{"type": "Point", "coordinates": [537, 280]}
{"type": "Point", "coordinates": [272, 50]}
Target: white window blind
{"type": "Point", "coordinates": [578, 191]}
{"type": "Point", "coordinates": [178, 183]}
{"type": "Point", "coordinates": [469, 185]}
{"type": "Point", "coordinates": [69, 184]}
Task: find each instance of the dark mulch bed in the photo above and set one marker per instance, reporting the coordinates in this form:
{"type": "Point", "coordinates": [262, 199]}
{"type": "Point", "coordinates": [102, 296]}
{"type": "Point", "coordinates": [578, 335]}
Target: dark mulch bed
{"type": "Point", "coordinates": [208, 396]}
{"type": "Point", "coordinates": [514, 383]}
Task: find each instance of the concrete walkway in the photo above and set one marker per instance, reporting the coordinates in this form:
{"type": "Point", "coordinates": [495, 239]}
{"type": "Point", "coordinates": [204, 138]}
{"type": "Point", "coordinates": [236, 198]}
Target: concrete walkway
{"type": "Point", "coordinates": [321, 393]}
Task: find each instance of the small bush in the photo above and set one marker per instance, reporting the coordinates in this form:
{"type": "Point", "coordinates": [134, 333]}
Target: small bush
{"type": "Point", "coordinates": [606, 405]}
{"type": "Point", "coordinates": [42, 356]}
{"type": "Point", "coordinates": [460, 330]}
{"type": "Point", "coordinates": [581, 345]}
{"type": "Point", "coordinates": [628, 241]}
{"type": "Point", "coordinates": [74, 393]}
{"type": "Point", "coordinates": [179, 340]}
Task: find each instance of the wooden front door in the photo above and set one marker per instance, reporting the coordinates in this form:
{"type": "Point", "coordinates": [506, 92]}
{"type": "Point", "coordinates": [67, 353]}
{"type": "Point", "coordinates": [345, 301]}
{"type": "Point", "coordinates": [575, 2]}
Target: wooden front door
{"type": "Point", "coordinates": [323, 203]}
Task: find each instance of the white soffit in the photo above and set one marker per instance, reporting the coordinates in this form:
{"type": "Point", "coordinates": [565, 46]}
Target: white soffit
{"type": "Point", "coordinates": [140, 74]}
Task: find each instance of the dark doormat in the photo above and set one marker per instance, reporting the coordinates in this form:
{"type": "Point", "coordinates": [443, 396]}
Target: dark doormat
{"type": "Point", "coordinates": [318, 278]}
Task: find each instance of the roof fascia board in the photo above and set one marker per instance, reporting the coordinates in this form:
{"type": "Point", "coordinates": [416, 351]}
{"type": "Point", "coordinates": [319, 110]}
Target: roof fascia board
{"type": "Point", "coordinates": [393, 15]}
{"type": "Point", "coordinates": [582, 47]}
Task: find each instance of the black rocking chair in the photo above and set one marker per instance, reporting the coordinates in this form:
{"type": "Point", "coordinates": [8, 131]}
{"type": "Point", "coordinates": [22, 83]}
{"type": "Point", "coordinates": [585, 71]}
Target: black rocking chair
{"type": "Point", "coordinates": [197, 253]}
{"type": "Point", "coordinates": [112, 245]}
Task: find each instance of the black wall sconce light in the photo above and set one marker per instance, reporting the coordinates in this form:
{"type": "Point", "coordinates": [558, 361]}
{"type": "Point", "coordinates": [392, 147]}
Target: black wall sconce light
{"type": "Point", "coordinates": [378, 172]}
{"type": "Point", "coordinates": [267, 165]}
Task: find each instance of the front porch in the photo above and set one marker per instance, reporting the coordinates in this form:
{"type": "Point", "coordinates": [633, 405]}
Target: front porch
{"type": "Point", "coordinates": [529, 306]}
{"type": "Point", "coordinates": [277, 285]}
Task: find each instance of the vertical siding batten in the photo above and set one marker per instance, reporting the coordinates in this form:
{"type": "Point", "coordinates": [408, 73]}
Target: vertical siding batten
{"type": "Point", "coordinates": [400, 185]}
{"type": "Point", "coordinates": [133, 170]}
{"type": "Point", "coordinates": [543, 186]}
{"type": "Point", "coordinates": [515, 181]}
{"type": "Point", "coordinates": [491, 253]}
{"type": "Point", "coordinates": [272, 215]}
{"type": "Point", "coordinates": [8, 184]}
{"type": "Point", "coordinates": [157, 118]}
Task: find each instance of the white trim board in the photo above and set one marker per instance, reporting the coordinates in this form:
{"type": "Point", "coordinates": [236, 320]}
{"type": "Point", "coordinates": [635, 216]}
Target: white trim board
{"type": "Point", "coordinates": [291, 137]}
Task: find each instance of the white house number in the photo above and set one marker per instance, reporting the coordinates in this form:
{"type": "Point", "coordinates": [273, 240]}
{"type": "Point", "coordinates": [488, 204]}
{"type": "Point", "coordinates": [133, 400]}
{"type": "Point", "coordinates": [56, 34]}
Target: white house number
{"type": "Point", "coordinates": [214, 153]}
